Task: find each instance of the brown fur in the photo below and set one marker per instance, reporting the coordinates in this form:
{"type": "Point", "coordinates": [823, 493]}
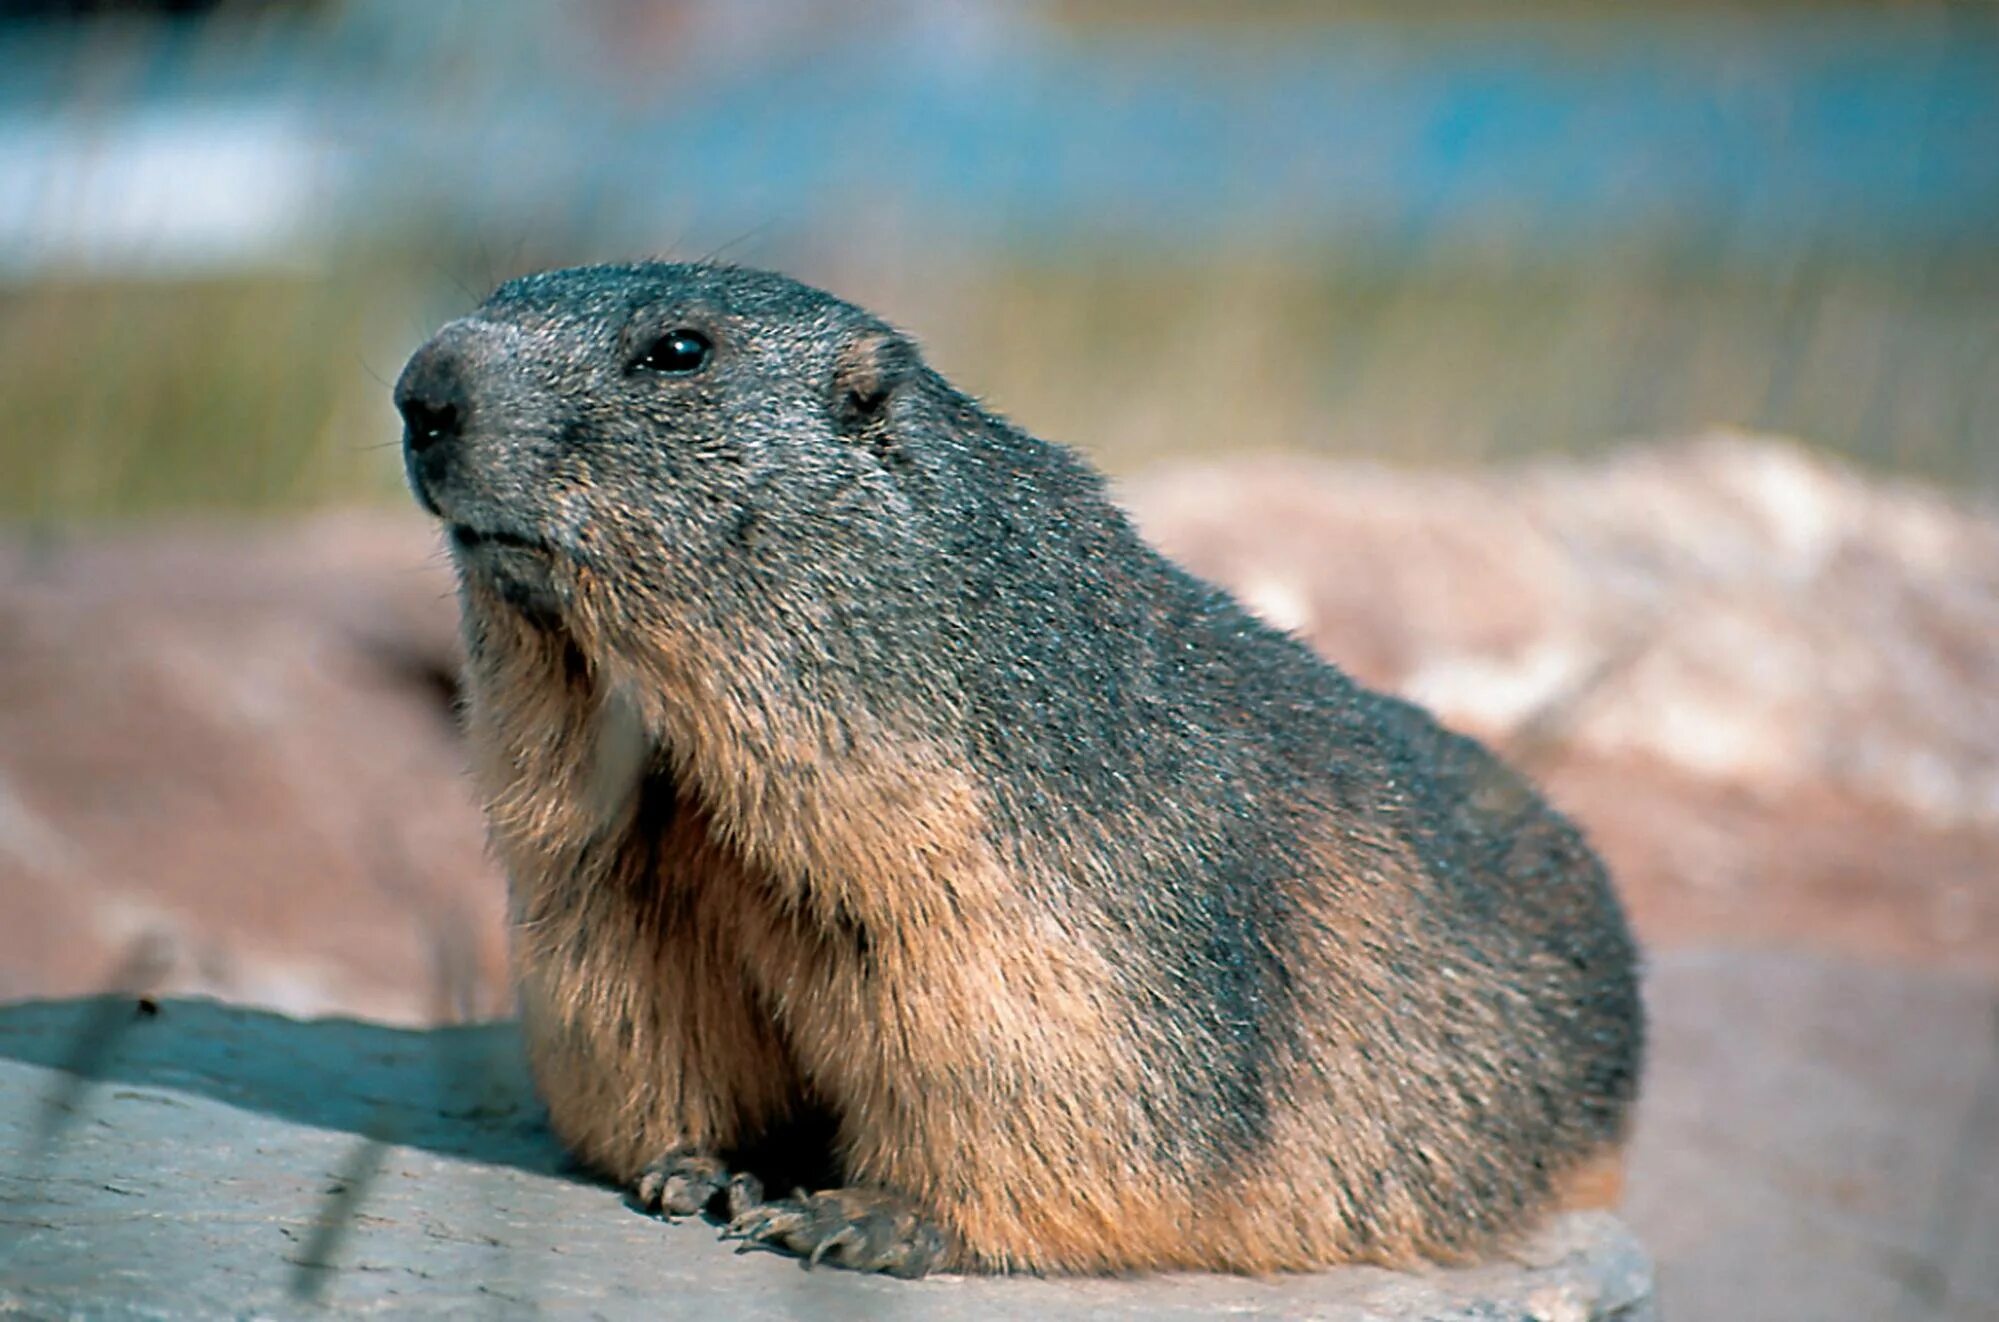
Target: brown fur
{"type": "Point", "coordinates": [688, 1014]}
{"type": "Point", "coordinates": [614, 981]}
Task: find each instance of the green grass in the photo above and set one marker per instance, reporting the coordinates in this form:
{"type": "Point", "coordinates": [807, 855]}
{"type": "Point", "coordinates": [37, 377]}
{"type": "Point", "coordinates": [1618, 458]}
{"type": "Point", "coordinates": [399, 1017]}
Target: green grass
{"type": "Point", "coordinates": [237, 394]}
{"type": "Point", "coordinates": [1894, 366]}
{"type": "Point", "coordinates": [272, 392]}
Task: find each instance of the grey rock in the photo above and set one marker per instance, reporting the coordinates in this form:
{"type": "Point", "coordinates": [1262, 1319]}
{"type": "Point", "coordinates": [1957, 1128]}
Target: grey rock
{"type": "Point", "coordinates": [207, 1160]}
{"type": "Point", "coordinates": [1818, 1140]}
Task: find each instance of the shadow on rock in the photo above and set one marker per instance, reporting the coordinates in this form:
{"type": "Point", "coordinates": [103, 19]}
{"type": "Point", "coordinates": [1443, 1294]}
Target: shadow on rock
{"type": "Point", "coordinates": [457, 1092]}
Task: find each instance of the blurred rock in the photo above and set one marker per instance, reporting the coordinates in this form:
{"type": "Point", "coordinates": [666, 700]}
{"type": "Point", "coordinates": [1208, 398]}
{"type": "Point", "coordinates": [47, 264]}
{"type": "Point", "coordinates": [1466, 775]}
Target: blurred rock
{"type": "Point", "coordinates": [1767, 684]}
{"type": "Point", "coordinates": [228, 764]}
{"type": "Point", "coordinates": [231, 1162]}
{"type": "Point", "coordinates": [1737, 609]}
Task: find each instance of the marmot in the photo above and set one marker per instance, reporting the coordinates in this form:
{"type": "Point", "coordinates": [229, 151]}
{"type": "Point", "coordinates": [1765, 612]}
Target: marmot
{"type": "Point", "coordinates": [881, 812]}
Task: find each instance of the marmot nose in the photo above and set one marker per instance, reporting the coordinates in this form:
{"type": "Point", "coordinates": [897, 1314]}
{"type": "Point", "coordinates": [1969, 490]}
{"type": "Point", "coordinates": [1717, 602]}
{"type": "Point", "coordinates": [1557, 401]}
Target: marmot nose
{"type": "Point", "coordinates": [431, 398]}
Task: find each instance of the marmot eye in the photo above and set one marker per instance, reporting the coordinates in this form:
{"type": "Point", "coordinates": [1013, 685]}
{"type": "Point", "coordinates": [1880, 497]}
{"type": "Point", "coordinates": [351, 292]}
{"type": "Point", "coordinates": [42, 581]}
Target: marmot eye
{"type": "Point", "coordinates": [678, 351]}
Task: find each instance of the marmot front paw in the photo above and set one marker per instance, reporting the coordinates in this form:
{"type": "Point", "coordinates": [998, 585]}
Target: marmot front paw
{"type": "Point", "coordinates": [687, 1180]}
{"type": "Point", "coordinates": [862, 1229]}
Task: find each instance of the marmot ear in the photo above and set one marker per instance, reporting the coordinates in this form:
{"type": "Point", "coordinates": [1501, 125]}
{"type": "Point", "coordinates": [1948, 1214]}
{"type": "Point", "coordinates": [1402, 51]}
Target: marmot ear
{"type": "Point", "coordinates": [871, 367]}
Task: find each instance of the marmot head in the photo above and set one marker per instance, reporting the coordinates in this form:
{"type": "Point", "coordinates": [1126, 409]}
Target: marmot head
{"type": "Point", "coordinates": [663, 430]}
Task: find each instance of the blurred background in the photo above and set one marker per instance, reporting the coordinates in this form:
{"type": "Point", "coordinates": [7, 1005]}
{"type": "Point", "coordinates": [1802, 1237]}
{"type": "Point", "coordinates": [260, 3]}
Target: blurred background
{"type": "Point", "coordinates": [1619, 380]}
{"type": "Point", "coordinates": [1444, 230]}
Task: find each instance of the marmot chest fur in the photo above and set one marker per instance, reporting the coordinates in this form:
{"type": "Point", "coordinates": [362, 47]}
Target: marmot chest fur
{"type": "Point", "coordinates": [880, 812]}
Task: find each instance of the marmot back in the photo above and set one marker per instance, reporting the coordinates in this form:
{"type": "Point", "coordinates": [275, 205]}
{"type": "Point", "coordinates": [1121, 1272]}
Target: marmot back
{"type": "Point", "coordinates": [880, 811]}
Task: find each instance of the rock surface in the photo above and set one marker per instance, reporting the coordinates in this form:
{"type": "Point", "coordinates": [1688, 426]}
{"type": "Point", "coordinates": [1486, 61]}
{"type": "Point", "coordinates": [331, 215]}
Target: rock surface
{"type": "Point", "coordinates": [228, 765]}
{"type": "Point", "coordinates": [1818, 1140]}
{"type": "Point", "coordinates": [216, 1161]}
